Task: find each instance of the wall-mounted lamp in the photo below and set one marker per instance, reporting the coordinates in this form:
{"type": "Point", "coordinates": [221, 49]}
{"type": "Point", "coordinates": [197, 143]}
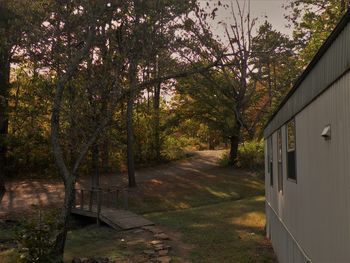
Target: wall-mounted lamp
{"type": "Point", "coordinates": [326, 133]}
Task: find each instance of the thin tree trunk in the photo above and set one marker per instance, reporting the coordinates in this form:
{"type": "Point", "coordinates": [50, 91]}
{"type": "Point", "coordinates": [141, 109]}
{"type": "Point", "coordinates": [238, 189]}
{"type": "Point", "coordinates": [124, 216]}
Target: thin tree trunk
{"type": "Point", "coordinates": [95, 162]}
{"type": "Point", "coordinates": [234, 143]}
{"type": "Point", "coordinates": [130, 140]}
{"type": "Point", "coordinates": [129, 123]}
{"type": "Point", "coordinates": [65, 216]}
{"type": "Point", "coordinates": [4, 93]}
{"type": "Point", "coordinates": [105, 155]}
{"type": "Point", "coordinates": [157, 121]}
{"type": "Point", "coordinates": [269, 83]}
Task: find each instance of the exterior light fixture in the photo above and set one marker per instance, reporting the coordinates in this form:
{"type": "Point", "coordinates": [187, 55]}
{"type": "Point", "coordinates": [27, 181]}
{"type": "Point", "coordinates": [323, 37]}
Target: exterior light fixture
{"type": "Point", "coordinates": [326, 133]}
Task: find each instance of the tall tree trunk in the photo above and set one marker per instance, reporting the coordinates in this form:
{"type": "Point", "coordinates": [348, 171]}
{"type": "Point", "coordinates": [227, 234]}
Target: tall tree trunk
{"type": "Point", "coordinates": [156, 106]}
{"type": "Point", "coordinates": [234, 143]}
{"type": "Point", "coordinates": [129, 123]}
{"type": "Point", "coordinates": [4, 93]}
{"type": "Point", "coordinates": [64, 220]}
{"type": "Point", "coordinates": [130, 140]}
{"type": "Point", "coordinates": [105, 155]}
{"type": "Point", "coordinates": [95, 162]}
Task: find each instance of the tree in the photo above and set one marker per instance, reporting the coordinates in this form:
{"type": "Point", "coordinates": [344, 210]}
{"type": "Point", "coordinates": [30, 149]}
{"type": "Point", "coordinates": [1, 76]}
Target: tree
{"type": "Point", "coordinates": [17, 19]}
{"type": "Point", "coordinates": [150, 28]}
{"type": "Point", "coordinates": [250, 80]}
{"type": "Point", "coordinates": [275, 58]}
{"type": "Point", "coordinates": [202, 99]}
{"type": "Point", "coordinates": [72, 33]}
{"type": "Point", "coordinates": [81, 28]}
{"type": "Point", "coordinates": [313, 21]}
{"type": "Point", "coordinates": [5, 57]}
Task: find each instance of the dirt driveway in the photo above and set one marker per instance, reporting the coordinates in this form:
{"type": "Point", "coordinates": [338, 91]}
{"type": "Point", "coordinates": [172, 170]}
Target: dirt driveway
{"type": "Point", "coordinates": [21, 195]}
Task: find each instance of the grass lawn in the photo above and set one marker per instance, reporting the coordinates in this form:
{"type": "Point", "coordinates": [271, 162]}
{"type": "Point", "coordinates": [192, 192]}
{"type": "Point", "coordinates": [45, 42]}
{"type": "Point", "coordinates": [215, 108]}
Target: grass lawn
{"type": "Point", "coordinates": [94, 241]}
{"type": "Point", "coordinates": [218, 213]}
{"type": "Point", "coordinates": [231, 231]}
{"type": "Point", "coordinates": [197, 188]}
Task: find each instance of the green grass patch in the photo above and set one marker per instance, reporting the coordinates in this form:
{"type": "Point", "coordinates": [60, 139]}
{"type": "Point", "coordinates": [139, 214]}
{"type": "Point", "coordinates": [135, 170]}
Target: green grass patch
{"type": "Point", "coordinates": [93, 241]}
{"type": "Point", "coordinates": [216, 186]}
{"type": "Point", "coordinates": [228, 232]}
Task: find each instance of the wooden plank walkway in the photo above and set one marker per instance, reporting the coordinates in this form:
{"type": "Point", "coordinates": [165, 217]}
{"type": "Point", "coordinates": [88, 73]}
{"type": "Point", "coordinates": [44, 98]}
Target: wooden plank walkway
{"type": "Point", "coordinates": [116, 218]}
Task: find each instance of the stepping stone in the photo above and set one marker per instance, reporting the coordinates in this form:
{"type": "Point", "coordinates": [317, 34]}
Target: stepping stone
{"type": "Point", "coordinates": [149, 252]}
{"type": "Point", "coordinates": [165, 259]}
{"type": "Point", "coordinates": [159, 247]}
{"type": "Point", "coordinates": [156, 242]}
{"type": "Point", "coordinates": [161, 236]}
{"type": "Point", "coordinates": [163, 252]}
{"type": "Point", "coordinates": [152, 229]}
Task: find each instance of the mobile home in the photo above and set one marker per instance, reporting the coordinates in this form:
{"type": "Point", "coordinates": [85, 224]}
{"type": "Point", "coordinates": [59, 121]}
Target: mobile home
{"type": "Point", "coordinates": [307, 146]}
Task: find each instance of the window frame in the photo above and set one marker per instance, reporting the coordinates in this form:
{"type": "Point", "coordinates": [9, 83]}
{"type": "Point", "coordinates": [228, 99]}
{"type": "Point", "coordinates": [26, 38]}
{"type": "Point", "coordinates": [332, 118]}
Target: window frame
{"type": "Point", "coordinates": [294, 151]}
{"type": "Point", "coordinates": [270, 159]}
{"type": "Point", "coordinates": [279, 149]}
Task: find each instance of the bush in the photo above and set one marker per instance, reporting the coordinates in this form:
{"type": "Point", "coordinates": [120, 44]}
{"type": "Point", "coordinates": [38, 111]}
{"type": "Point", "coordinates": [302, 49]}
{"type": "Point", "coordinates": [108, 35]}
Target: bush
{"type": "Point", "coordinates": [36, 239]}
{"type": "Point", "coordinates": [224, 159]}
{"type": "Point", "coordinates": [173, 148]}
{"type": "Point", "coordinates": [251, 155]}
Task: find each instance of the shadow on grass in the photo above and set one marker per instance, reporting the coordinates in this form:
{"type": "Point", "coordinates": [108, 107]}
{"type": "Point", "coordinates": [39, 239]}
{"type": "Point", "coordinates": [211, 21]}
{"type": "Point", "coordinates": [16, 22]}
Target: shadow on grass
{"type": "Point", "coordinates": [227, 232]}
{"type": "Point", "coordinates": [195, 189]}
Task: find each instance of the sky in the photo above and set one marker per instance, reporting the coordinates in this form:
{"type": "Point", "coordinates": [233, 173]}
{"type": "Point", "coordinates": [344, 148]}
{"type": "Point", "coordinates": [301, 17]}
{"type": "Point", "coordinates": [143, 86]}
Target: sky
{"type": "Point", "coordinates": [273, 9]}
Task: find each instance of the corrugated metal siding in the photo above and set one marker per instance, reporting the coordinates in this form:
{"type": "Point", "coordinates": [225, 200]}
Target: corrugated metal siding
{"type": "Point", "coordinates": [334, 63]}
{"type": "Point", "coordinates": [316, 209]}
{"type": "Point", "coordinates": [286, 248]}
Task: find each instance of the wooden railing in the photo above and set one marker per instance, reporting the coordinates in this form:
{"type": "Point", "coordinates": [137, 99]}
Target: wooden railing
{"type": "Point", "coordinates": [94, 199]}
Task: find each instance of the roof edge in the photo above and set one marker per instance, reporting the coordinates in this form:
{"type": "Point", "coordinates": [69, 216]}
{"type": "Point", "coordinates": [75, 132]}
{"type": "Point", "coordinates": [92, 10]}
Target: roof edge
{"type": "Point", "coordinates": [321, 51]}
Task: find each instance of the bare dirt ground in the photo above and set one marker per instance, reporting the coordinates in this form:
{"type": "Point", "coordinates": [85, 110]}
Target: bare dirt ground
{"type": "Point", "coordinates": [22, 194]}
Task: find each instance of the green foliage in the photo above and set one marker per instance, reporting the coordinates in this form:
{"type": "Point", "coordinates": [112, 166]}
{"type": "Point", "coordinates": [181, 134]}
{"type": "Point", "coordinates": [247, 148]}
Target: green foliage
{"type": "Point", "coordinates": [224, 160]}
{"type": "Point", "coordinates": [313, 21]}
{"type": "Point", "coordinates": [28, 141]}
{"type": "Point", "coordinates": [251, 155]}
{"type": "Point", "coordinates": [174, 148]}
{"type": "Point", "coordinates": [205, 103]}
{"type": "Point", "coordinates": [36, 239]}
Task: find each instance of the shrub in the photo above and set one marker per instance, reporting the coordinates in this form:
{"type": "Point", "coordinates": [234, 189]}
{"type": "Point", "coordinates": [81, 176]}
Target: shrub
{"type": "Point", "coordinates": [251, 155]}
{"type": "Point", "coordinates": [173, 148]}
{"type": "Point", "coordinates": [224, 159]}
{"type": "Point", "coordinates": [36, 238]}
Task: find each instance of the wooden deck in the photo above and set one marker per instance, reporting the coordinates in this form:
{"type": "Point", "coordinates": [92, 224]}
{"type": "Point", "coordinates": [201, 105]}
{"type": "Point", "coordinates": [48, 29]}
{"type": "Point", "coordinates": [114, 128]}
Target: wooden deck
{"type": "Point", "coordinates": [116, 218]}
{"type": "Point", "coordinates": [112, 215]}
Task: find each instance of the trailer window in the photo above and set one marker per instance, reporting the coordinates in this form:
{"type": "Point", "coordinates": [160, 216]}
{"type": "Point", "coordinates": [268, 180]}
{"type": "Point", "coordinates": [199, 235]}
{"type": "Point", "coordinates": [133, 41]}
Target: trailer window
{"type": "Point", "coordinates": [279, 159]}
{"type": "Point", "coordinates": [291, 151]}
{"type": "Point", "coordinates": [270, 159]}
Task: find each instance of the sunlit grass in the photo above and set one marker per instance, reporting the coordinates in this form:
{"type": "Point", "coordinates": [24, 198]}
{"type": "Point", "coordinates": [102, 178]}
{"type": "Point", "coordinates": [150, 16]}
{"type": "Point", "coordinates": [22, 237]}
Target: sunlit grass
{"type": "Point", "coordinates": [228, 232]}
{"type": "Point", "coordinates": [220, 214]}
{"type": "Point", "coordinates": [216, 186]}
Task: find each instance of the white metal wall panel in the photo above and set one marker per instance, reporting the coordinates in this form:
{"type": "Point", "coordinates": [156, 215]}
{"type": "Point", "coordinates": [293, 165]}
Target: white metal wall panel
{"type": "Point", "coordinates": [286, 248]}
{"type": "Point", "coordinates": [316, 209]}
